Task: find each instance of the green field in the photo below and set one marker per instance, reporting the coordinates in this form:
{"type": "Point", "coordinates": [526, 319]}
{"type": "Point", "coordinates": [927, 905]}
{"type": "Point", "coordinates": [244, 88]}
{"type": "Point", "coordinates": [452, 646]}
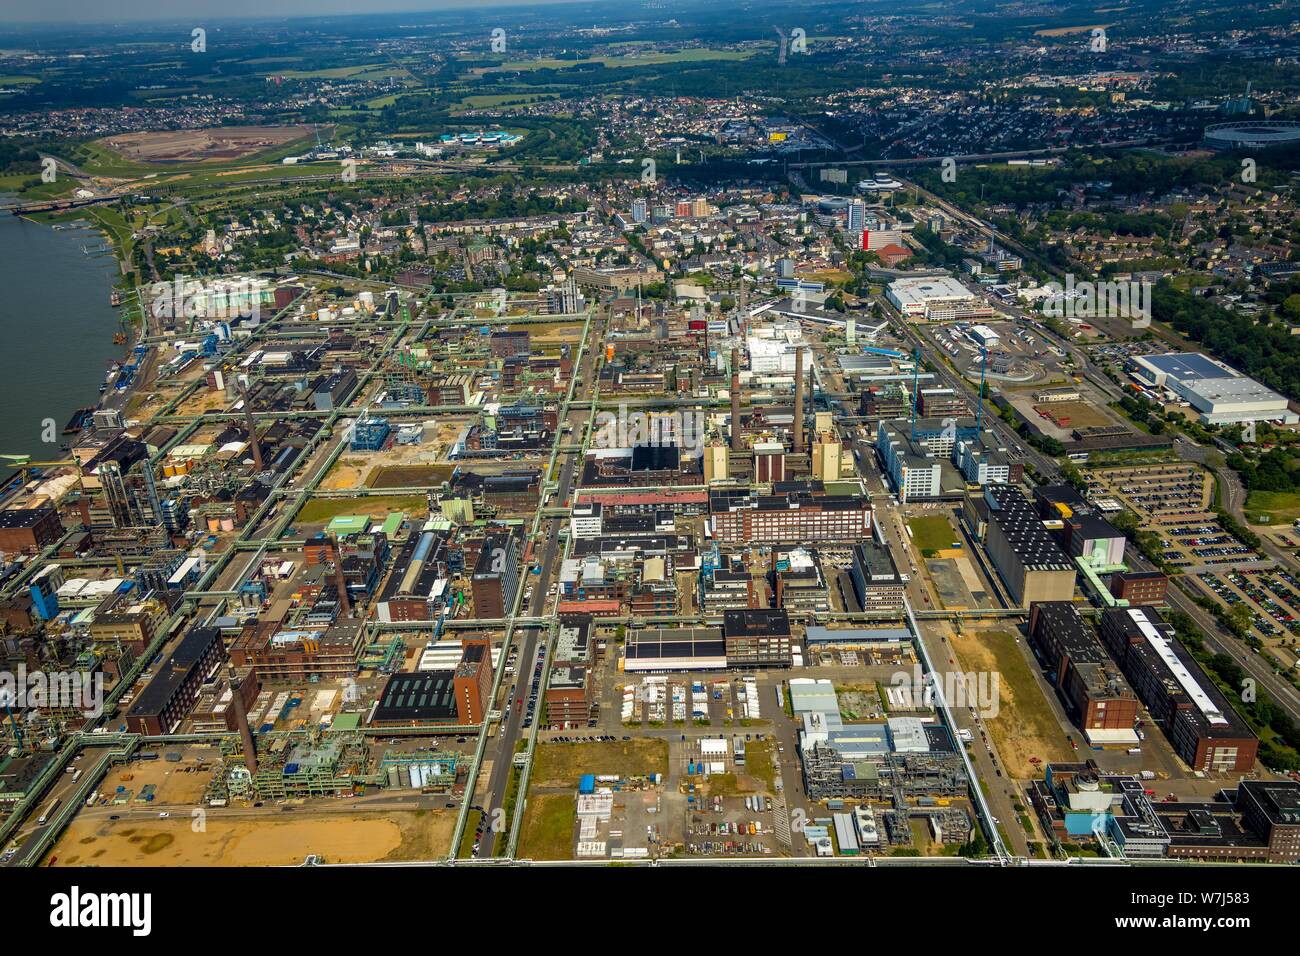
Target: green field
{"type": "Point", "coordinates": [1281, 507]}
{"type": "Point", "coordinates": [321, 510]}
{"type": "Point", "coordinates": [547, 830]}
{"type": "Point", "coordinates": [932, 532]}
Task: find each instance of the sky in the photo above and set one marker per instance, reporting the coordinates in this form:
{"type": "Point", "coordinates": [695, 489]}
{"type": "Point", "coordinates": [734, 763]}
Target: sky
{"type": "Point", "coordinates": [72, 12]}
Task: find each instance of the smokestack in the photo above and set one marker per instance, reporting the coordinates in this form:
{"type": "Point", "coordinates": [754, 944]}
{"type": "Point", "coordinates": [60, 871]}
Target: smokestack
{"type": "Point", "coordinates": [345, 606]}
{"type": "Point", "coordinates": [798, 400]}
{"type": "Point", "coordinates": [241, 720]}
{"type": "Point", "coordinates": [251, 426]}
{"type": "Point", "coordinates": [735, 399]}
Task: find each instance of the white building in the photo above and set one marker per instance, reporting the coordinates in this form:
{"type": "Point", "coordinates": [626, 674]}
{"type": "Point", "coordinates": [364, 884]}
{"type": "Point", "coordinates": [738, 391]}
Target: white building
{"type": "Point", "coordinates": [586, 521]}
{"type": "Point", "coordinates": [1220, 394]}
{"type": "Point", "coordinates": [984, 336]}
{"type": "Point", "coordinates": [936, 299]}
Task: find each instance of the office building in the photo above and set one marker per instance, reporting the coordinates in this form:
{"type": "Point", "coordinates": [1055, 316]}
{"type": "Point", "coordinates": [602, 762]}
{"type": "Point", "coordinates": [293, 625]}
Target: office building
{"type": "Point", "coordinates": [1201, 725]}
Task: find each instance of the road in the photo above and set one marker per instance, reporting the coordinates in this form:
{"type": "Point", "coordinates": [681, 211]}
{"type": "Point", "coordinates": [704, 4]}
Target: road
{"type": "Point", "coordinates": [552, 552]}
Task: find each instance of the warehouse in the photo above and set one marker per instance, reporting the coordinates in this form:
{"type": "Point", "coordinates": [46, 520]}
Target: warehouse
{"type": "Point", "coordinates": [1220, 394]}
{"type": "Point", "coordinates": [1029, 561]}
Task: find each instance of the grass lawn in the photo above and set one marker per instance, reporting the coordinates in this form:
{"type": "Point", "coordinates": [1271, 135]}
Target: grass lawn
{"type": "Point", "coordinates": [932, 532]}
{"type": "Point", "coordinates": [547, 832]}
{"type": "Point", "coordinates": [758, 762]}
{"type": "Point", "coordinates": [1281, 507]}
{"type": "Point", "coordinates": [467, 837]}
{"type": "Point", "coordinates": [560, 765]}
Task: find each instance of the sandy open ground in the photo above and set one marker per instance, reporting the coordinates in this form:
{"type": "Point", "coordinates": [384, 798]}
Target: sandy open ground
{"type": "Point", "coordinates": [337, 837]}
{"type": "Point", "coordinates": [197, 145]}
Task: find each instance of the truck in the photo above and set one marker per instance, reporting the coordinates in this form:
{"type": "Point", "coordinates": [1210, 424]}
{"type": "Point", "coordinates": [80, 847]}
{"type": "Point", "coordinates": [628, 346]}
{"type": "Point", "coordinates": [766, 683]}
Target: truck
{"type": "Point", "coordinates": [52, 809]}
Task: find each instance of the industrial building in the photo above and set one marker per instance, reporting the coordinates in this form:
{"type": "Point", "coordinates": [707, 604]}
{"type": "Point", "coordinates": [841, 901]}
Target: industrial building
{"type": "Point", "coordinates": [1200, 723]}
{"type": "Point", "coordinates": [910, 465]}
{"type": "Point", "coordinates": [876, 581]}
{"type": "Point", "coordinates": [1030, 562]}
{"type": "Point", "coordinates": [1219, 394]}
{"type": "Point", "coordinates": [757, 637]}
{"type": "Point", "coordinates": [1094, 691]}
{"type": "Point", "coordinates": [165, 702]}
{"type": "Point", "coordinates": [29, 530]}
{"type": "Point", "coordinates": [1139, 587]}
{"type": "Point", "coordinates": [650, 650]}
{"type": "Point", "coordinates": [495, 581]}
{"type": "Point", "coordinates": [741, 517]}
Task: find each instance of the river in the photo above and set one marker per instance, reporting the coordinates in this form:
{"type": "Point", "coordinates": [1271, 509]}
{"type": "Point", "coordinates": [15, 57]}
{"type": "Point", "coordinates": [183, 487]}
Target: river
{"type": "Point", "coordinates": [57, 327]}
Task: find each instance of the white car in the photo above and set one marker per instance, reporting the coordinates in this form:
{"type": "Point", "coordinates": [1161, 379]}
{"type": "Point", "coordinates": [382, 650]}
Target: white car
{"type": "Point", "coordinates": [164, 815]}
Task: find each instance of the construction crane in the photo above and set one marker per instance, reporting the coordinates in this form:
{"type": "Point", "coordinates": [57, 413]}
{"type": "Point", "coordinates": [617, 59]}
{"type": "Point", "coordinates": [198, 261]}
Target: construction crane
{"type": "Point", "coordinates": [25, 465]}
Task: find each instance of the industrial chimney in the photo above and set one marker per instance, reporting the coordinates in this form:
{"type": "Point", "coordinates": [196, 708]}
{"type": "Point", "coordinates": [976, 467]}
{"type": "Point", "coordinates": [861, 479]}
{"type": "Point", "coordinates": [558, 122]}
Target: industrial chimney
{"type": "Point", "coordinates": [798, 400]}
{"type": "Point", "coordinates": [241, 720]}
{"type": "Point", "coordinates": [252, 427]}
{"type": "Point", "coordinates": [735, 399]}
{"type": "Point", "coordinates": [340, 582]}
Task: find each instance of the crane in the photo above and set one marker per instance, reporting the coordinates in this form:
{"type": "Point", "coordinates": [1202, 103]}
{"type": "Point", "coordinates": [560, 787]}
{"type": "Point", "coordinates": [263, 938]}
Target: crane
{"type": "Point", "coordinates": [25, 465]}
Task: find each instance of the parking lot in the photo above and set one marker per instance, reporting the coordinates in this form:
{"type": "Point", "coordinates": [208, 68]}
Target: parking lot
{"type": "Point", "coordinates": [1273, 599]}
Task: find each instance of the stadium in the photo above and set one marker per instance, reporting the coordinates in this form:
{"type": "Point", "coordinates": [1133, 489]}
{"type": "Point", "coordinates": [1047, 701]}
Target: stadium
{"type": "Point", "coordinates": [1262, 134]}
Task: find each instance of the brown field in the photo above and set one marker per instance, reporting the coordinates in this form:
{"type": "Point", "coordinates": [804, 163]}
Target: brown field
{"type": "Point", "coordinates": [243, 840]}
{"type": "Point", "coordinates": [1080, 414]}
{"type": "Point", "coordinates": [410, 476]}
{"type": "Point", "coordinates": [224, 143]}
{"type": "Point", "coordinates": [346, 473]}
{"type": "Point", "coordinates": [1067, 31]}
{"type": "Point", "coordinates": [1026, 726]}
{"type": "Point", "coordinates": [560, 765]}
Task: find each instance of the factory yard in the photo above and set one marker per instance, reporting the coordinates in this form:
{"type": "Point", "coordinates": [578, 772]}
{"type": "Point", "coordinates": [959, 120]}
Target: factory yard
{"type": "Point", "coordinates": [241, 838]}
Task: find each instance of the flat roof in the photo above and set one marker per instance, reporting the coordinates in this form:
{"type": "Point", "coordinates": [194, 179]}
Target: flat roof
{"type": "Point", "coordinates": [416, 697]}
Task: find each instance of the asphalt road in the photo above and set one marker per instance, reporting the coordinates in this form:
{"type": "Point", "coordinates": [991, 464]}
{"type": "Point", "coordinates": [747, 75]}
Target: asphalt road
{"type": "Point", "coordinates": [516, 704]}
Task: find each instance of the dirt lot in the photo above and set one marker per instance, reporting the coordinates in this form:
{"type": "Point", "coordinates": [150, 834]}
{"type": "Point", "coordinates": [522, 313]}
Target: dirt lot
{"type": "Point", "coordinates": [198, 145]}
{"type": "Point", "coordinates": [178, 784]}
{"type": "Point", "coordinates": [1079, 414]}
{"type": "Point", "coordinates": [247, 841]}
{"type": "Point", "coordinates": [560, 765]}
{"type": "Point", "coordinates": [1026, 725]}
